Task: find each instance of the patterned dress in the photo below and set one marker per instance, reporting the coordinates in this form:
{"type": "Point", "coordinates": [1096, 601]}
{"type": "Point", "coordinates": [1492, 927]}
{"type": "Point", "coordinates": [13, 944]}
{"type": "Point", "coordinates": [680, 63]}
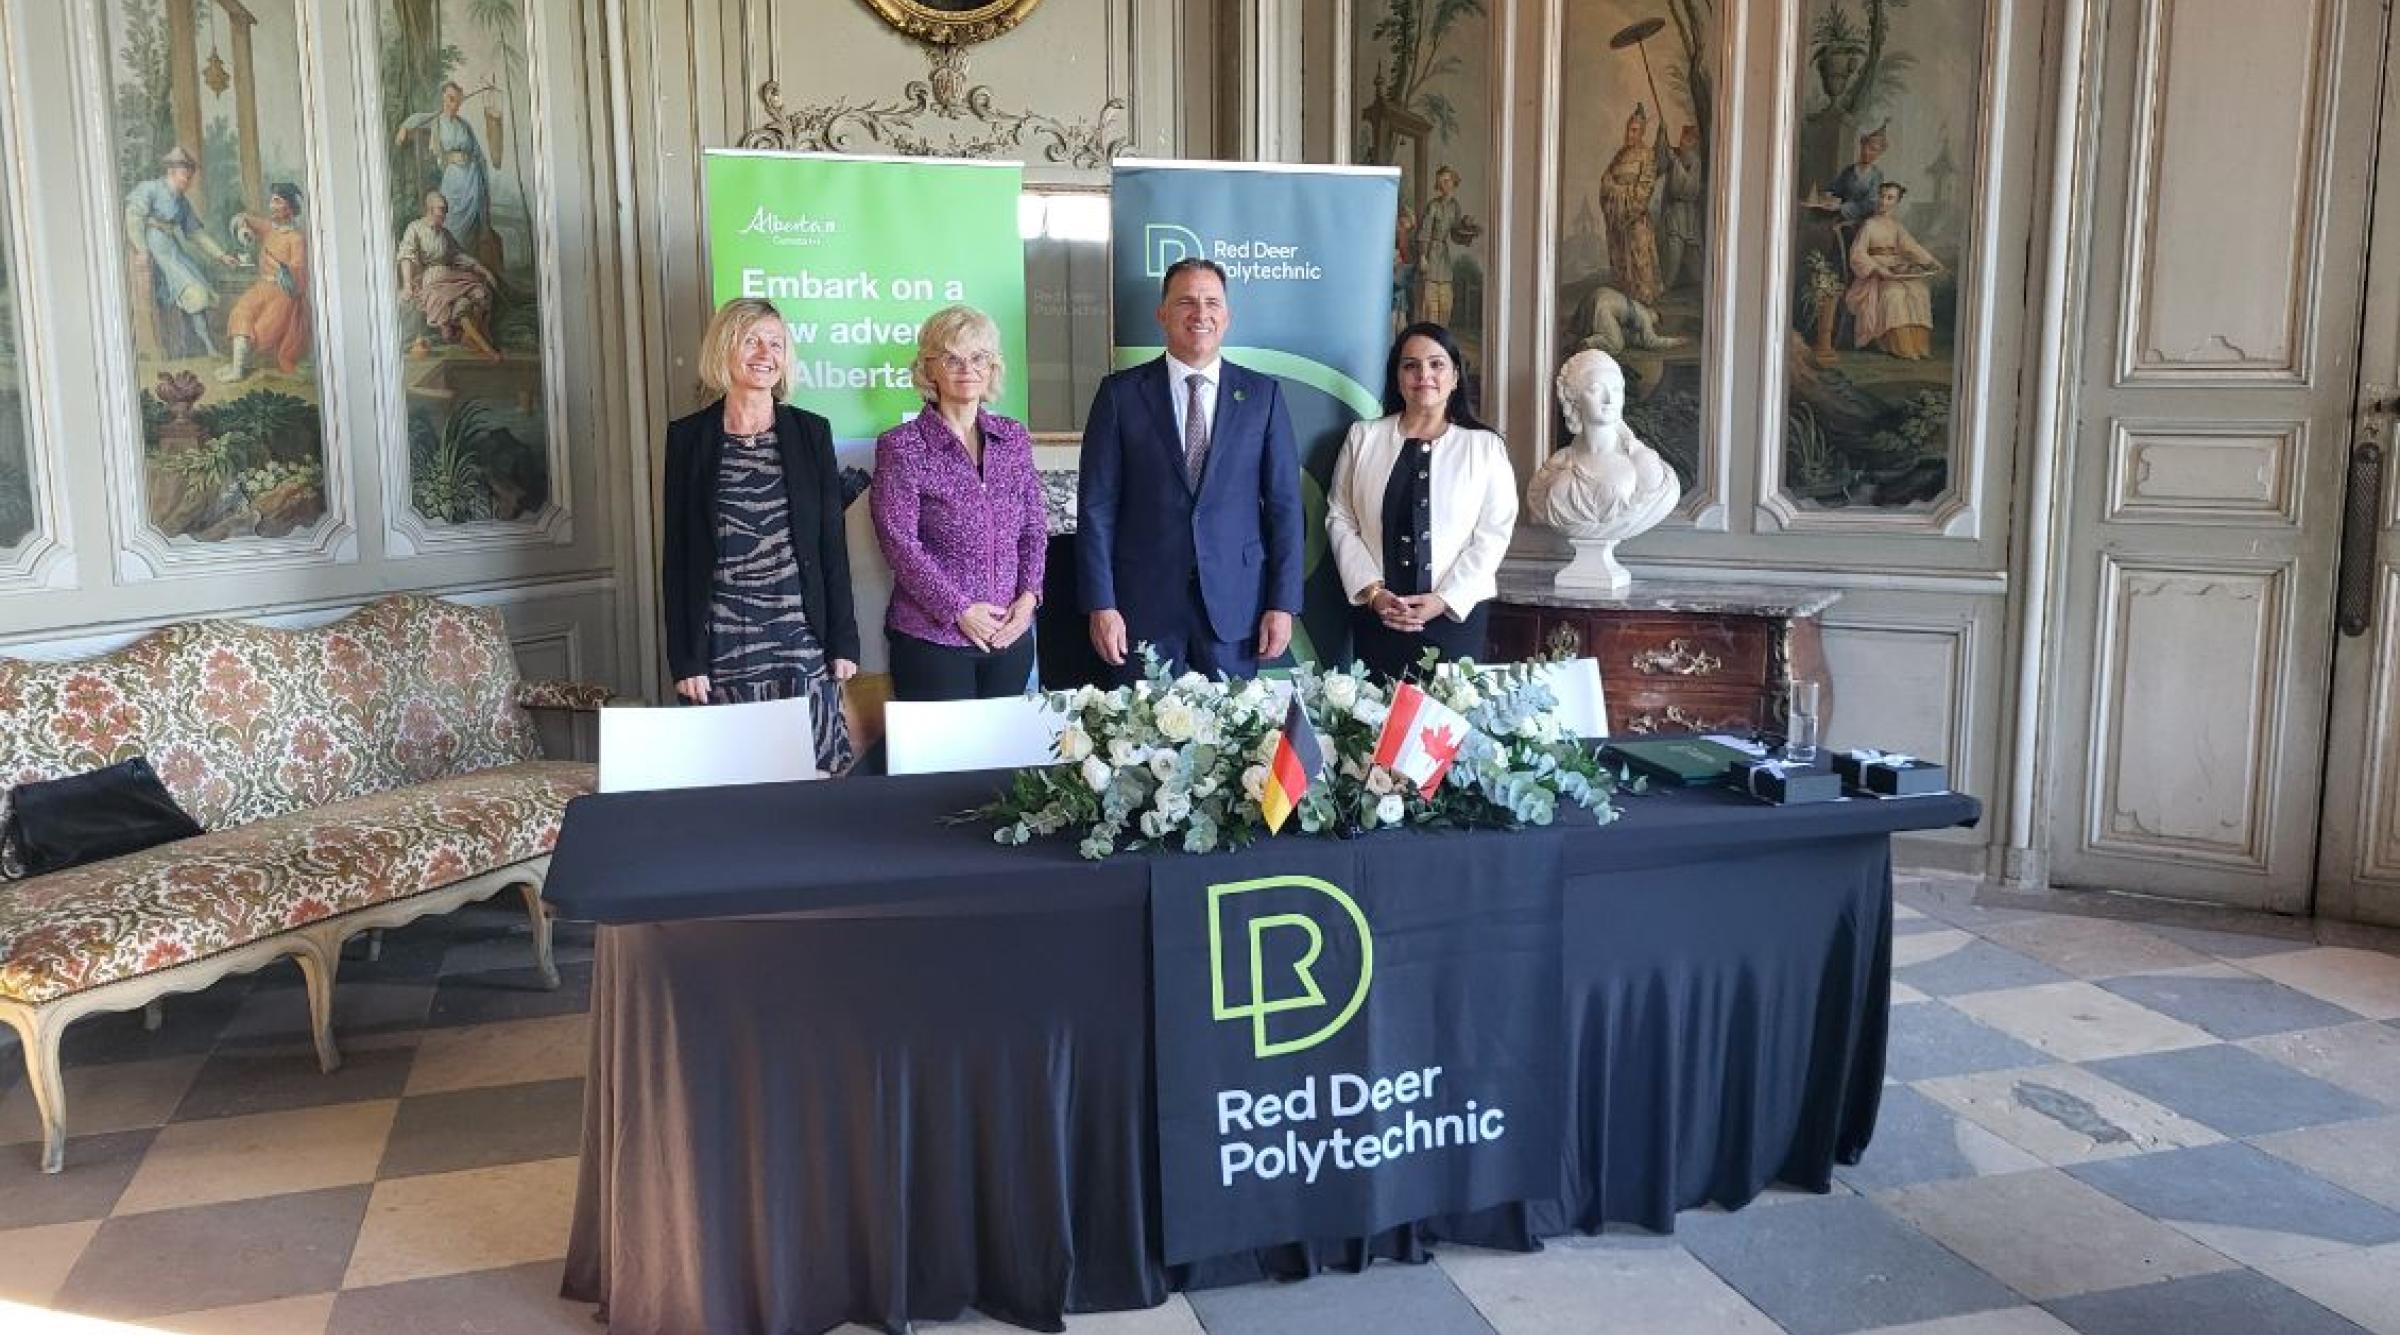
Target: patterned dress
{"type": "Point", "coordinates": [761, 645]}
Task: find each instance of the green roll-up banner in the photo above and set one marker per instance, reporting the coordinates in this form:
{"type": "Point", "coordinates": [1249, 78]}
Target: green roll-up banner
{"type": "Point", "coordinates": [1307, 253]}
{"type": "Point", "coordinates": [856, 252]}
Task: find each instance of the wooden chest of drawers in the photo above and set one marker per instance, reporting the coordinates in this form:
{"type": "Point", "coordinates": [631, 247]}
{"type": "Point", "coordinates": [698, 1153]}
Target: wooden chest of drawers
{"type": "Point", "coordinates": [1674, 657]}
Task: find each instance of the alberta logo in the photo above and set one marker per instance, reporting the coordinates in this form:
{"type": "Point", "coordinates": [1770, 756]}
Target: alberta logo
{"type": "Point", "coordinates": [1277, 929]}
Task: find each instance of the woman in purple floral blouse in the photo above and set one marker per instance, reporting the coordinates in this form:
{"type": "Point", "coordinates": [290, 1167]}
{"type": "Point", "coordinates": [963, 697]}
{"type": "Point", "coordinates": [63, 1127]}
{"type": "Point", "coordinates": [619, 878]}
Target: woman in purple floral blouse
{"type": "Point", "coordinates": [958, 510]}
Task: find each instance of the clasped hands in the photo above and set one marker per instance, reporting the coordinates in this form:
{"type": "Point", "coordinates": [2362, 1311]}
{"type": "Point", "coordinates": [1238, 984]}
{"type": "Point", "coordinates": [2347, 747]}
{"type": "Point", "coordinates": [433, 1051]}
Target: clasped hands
{"type": "Point", "coordinates": [1405, 614]}
{"type": "Point", "coordinates": [991, 629]}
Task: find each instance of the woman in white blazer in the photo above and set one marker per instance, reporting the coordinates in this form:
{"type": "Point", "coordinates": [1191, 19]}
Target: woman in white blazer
{"type": "Point", "coordinates": [1422, 505]}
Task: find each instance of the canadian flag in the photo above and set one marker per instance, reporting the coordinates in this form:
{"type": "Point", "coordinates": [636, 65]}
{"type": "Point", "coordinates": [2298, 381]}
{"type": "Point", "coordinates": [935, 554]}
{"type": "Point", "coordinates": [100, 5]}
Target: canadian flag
{"type": "Point", "coordinates": [1421, 736]}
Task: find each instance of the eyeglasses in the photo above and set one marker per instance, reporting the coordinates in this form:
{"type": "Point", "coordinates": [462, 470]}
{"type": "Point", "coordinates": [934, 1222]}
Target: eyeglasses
{"type": "Point", "coordinates": [980, 361]}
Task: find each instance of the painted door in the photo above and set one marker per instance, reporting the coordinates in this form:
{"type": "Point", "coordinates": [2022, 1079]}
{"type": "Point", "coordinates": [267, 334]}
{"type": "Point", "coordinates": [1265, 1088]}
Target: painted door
{"type": "Point", "coordinates": [2358, 866]}
{"type": "Point", "coordinates": [2222, 354]}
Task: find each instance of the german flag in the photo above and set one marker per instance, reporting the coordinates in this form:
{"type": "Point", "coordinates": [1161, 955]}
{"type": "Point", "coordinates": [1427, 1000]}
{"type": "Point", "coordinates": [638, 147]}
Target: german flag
{"type": "Point", "coordinates": [1298, 758]}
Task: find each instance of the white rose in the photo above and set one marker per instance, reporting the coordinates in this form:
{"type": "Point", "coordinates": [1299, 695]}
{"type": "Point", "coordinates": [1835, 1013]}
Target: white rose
{"type": "Point", "coordinates": [1465, 696]}
{"type": "Point", "coordinates": [1205, 786]}
{"type": "Point", "coordinates": [1122, 752]}
{"type": "Point", "coordinates": [1191, 681]}
{"type": "Point", "coordinates": [1379, 781]}
{"type": "Point", "coordinates": [1162, 765]}
{"type": "Point", "coordinates": [1176, 721]}
{"type": "Point", "coordinates": [1074, 744]}
{"type": "Point", "coordinates": [1174, 804]}
{"type": "Point", "coordinates": [1096, 773]}
{"type": "Point", "coordinates": [1085, 697]}
{"type": "Point", "coordinates": [1370, 712]}
{"type": "Point", "coordinates": [1265, 750]}
{"type": "Point", "coordinates": [1390, 809]}
{"type": "Point", "coordinates": [1254, 782]}
{"type": "Point", "coordinates": [1341, 690]}
{"type": "Point", "coordinates": [1154, 825]}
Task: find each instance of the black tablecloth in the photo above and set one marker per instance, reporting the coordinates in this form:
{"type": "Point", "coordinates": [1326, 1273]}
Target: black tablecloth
{"type": "Point", "coordinates": [852, 1064]}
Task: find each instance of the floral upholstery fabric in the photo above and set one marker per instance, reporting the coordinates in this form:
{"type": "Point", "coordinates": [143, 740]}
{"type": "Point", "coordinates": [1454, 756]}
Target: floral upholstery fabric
{"type": "Point", "coordinates": [582, 696]}
{"type": "Point", "coordinates": [244, 723]}
{"type": "Point", "coordinates": [105, 921]}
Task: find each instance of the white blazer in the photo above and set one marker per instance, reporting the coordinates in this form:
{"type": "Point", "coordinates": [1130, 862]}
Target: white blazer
{"type": "Point", "coordinates": [1474, 494]}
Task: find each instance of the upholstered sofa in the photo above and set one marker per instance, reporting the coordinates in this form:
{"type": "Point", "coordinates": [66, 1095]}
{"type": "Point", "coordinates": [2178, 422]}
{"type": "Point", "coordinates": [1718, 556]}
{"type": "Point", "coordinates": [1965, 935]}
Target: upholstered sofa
{"type": "Point", "coordinates": [350, 777]}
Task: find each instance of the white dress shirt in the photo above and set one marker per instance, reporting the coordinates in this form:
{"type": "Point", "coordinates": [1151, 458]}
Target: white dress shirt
{"type": "Point", "coordinates": [1474, 493]}
{"type": "Point", "coordinates": [1179, 392]}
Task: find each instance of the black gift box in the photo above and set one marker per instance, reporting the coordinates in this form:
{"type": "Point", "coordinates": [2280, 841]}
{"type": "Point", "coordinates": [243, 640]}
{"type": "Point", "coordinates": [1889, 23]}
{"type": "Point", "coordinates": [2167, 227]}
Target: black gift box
{"type": "Point", "coordinates": [1890, 776]}
{"type": "Point", "coordinates": [1786, 784]}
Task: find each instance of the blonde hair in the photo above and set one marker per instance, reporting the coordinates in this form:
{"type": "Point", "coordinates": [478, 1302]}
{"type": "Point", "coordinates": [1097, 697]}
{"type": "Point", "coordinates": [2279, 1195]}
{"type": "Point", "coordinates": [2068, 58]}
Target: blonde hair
{"type": "Point", "coordinates": [721, 343]}
{"type": "Point", "coordinates": [954, 329]}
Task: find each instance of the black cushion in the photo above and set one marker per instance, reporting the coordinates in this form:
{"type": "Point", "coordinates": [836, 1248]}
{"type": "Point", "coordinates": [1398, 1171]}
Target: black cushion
{"type": "Point", "coordinates": [83, 818]}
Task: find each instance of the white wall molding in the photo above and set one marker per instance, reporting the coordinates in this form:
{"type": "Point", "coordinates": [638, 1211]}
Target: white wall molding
{"type": "Point", "coordinates": [2214, 357]}
{"type": "Point", "coordinates": [45, 557]}
{"type": "Point", "coordinates": [1963, 584]}
{"type": "Point", "coordinates": [1955, 637]}
{"type": "Point", "coordinates": [2148, 457]}
{"type": "Point", "coordinates": [103, 637]}
{"type": "Point", "coordinates": [2031, 703]}
{"type": "Point", "coordinates": [2171, 788]}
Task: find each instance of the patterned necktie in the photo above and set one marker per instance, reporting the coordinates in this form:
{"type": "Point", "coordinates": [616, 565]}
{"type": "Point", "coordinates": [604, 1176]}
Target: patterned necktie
{"type": "Point", "coordinates": [1195, 430]}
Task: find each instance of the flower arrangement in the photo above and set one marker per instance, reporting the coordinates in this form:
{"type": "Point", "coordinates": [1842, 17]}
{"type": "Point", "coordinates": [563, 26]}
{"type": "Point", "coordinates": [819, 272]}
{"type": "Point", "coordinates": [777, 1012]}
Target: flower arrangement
{"type": "Point", "coordinates": [1182, 761]}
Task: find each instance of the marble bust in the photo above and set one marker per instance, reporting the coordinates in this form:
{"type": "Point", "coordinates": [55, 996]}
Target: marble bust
{"type": "Point", "coordinates": [1605, 486]}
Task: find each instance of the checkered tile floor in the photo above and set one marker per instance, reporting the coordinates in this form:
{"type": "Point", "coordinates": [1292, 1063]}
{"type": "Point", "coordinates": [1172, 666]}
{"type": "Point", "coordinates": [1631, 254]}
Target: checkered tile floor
{"type": "Point", "coordinates": [2096, 1125]}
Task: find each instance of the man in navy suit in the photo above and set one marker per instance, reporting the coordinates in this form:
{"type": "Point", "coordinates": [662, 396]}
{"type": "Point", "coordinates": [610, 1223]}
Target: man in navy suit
{"type": "Point", "coordinates": [1188, 534]}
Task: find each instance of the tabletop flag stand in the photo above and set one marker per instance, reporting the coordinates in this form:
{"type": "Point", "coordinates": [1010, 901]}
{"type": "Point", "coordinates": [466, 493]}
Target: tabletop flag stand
{"type": "Point", "coordinates": [1299, 757]}
{"type": "Point", "coordinates": [1420, 737]}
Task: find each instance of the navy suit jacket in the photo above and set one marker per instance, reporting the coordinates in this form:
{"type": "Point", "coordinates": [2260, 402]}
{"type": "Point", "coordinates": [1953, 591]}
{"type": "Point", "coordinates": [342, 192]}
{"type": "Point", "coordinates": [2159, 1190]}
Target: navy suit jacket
{"type": "Point", "coordinates": [1143, 534]}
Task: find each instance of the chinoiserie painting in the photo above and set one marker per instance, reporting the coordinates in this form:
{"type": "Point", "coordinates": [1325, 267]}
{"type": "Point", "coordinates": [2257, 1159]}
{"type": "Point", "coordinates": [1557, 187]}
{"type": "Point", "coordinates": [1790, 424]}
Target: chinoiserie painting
{"type": "Point", "coordinates": [464, 244]}
{"type": "Point", "coordinates": [1421, 101]}
{"type": "Point", "coordinates": [1888, 102]}
{"type": "Point", "coordinates": [212, 221]}
{"type": "Point", "coordinates": [1638, 82]}
{"type": "Point", "coordinates": [16, 444]}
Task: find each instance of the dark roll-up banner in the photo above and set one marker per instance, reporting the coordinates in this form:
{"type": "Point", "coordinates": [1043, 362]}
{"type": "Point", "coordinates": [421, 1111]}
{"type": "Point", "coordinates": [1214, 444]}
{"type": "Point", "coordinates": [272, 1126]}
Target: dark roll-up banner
{"type": "Point", "coordinates": [1307, 254]}
{"type": "Point", "coordinates": [1354, 1035]}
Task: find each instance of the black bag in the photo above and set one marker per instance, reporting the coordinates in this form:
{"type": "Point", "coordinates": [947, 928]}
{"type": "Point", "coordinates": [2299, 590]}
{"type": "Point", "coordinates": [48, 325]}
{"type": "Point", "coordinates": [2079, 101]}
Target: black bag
{"type": "Point", "coordinates": [87, 817]}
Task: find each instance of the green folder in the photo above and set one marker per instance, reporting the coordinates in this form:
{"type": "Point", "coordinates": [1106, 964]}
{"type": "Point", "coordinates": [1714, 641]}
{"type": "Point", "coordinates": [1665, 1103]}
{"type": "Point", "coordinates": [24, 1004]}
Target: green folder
{"type": "Point", "coordinates": [1680, 761]}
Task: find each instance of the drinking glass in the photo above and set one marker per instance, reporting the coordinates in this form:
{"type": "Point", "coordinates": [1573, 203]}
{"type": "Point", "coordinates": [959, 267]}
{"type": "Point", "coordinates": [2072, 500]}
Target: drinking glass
{"type": "Point", "coordinates": [1800, 725]}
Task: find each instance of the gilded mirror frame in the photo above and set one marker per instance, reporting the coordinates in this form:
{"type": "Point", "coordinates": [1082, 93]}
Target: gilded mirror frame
{"type": "Point", "coordinates": [952, 25]}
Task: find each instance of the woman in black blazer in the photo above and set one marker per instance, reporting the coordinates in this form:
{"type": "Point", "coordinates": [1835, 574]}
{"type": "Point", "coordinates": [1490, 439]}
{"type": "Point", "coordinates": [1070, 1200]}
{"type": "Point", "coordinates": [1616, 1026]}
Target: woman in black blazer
{"type": "Point", "coordinates": [756, 574]}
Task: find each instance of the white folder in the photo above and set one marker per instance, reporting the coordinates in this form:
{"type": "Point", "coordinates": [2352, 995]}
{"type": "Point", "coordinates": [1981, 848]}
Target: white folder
{"type": "Point", "coordinates": [767, 741]}
{"type": "Point", "coordinates": [946, 736]}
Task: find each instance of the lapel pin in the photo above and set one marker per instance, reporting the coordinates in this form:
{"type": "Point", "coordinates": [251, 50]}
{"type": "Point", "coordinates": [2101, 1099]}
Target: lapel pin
{"type": "Point", "coordinates": [1240, 394]}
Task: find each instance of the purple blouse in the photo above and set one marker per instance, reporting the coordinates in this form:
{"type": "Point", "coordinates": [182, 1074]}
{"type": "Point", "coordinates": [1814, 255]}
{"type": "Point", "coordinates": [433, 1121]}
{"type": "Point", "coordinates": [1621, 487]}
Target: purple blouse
{"type": "Point", "coordinates": [954, 536]}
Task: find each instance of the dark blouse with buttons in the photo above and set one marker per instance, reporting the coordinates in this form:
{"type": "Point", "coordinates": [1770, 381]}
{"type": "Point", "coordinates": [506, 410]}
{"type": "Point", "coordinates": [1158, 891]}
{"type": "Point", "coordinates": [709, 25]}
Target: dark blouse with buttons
{"type": "Point", "coordinates": [1408, 520]}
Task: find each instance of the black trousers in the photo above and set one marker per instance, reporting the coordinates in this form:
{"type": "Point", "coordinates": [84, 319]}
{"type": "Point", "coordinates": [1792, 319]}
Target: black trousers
{"type": "Point", "coordinates": [1392, 654]}
{"type": "Point", "coordinates": [922, 670]}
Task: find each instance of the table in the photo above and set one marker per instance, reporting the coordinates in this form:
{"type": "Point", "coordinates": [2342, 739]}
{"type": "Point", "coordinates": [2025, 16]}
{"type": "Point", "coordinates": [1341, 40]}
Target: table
{"type": "Point", "coordinates": [1677, 655]}
{"type": "Point", "coordinates": [853, 1064]}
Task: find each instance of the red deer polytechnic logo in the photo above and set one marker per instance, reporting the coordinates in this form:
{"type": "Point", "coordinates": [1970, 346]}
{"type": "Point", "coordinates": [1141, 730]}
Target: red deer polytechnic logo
{"type": "Point", "coordinates": [1303, 991]}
